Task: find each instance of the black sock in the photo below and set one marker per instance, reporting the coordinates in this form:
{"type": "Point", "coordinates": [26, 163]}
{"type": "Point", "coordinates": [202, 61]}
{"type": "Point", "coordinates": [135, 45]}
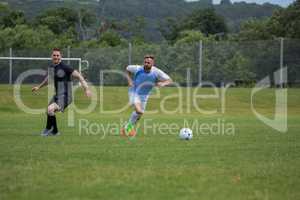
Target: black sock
{"type": "Point", "coordinates": [49, 122]}
{"type": "Point", "coordinates": [54, 124]}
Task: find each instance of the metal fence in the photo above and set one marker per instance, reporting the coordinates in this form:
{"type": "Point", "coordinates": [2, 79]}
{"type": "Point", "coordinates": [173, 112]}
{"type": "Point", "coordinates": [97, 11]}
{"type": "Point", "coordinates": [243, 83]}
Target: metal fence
{"type": "Point", "coordinates": [243, 63]}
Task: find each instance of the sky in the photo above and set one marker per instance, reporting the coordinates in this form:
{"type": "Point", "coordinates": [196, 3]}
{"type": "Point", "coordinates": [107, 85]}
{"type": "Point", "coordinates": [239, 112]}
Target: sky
{"type": "Point", "coordinates": [279, 2]}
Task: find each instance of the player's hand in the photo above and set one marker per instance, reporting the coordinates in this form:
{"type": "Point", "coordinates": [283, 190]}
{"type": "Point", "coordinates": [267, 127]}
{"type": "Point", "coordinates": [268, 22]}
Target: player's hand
{"type": "Point", "coordinates": [130, 84]}
{"type": "Point", "coordinates": [88, 93]}
{"type": "Point", "coordinates": [164, 83]}
{"type": "Point", "coordinates": [34, 89]}
{"type": "Point", "coordinates": [160, 84]}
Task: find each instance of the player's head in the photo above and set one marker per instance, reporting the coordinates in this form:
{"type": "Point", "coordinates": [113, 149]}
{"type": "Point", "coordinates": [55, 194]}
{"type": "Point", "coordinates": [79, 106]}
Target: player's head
{"type": "Point", "coordinates": [148, 62]}
{"type": "Point", "coordinates": [56, 56]}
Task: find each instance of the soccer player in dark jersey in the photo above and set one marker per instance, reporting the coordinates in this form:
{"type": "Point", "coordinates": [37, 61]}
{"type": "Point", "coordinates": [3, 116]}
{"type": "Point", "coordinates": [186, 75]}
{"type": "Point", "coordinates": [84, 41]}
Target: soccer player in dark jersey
{"type": "Point", "coordinates": [62, 75]}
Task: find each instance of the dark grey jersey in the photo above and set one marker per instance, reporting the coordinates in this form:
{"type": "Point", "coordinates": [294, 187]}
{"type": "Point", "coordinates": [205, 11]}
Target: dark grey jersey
{"type": "Point", "coordinates": [61, 75]}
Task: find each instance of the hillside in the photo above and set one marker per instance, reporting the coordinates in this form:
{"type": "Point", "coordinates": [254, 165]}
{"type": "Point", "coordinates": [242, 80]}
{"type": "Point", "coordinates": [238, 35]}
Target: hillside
{"type": "Point", "coordinates": [153, 11]}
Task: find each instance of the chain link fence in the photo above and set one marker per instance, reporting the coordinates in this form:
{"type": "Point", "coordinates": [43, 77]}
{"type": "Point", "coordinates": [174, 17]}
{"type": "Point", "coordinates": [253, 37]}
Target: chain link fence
{"type": "Point", "coordinates": [242, 63]}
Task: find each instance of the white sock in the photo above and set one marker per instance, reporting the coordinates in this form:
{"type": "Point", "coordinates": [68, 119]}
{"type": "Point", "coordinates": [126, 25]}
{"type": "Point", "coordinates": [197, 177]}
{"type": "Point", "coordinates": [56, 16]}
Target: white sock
{"type": "Point", "coordinates": [134, 118]}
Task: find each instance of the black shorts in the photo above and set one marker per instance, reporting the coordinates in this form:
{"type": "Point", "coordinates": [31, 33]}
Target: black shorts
{"type": "Point", "coordinates": [62, 101]}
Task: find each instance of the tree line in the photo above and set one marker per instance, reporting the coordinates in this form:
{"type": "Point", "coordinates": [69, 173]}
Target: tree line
{"type": "Point", "coordinates": [227, 55]}
{"type": "Point", "coordinates": [84, 27]}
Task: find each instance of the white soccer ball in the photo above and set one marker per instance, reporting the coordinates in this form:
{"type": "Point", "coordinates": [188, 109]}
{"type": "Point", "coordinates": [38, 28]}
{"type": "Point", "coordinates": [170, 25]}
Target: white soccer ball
{"type": "Point", "coordinates": [186, 134]}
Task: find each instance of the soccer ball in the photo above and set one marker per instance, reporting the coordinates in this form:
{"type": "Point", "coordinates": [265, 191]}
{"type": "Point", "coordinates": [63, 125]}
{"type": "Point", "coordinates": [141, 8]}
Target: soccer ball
{"type": "Point", "coordinates": [186, 134]}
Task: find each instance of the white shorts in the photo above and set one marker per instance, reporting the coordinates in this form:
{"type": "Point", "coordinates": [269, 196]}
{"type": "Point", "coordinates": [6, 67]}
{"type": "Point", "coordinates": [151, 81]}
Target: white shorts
{"type": "Point", "coordinates": [136, 98]}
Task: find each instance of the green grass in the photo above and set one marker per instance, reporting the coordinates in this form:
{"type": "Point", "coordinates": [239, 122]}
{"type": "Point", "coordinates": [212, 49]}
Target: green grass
{"type": "Point", "coordinates": [256, 162]}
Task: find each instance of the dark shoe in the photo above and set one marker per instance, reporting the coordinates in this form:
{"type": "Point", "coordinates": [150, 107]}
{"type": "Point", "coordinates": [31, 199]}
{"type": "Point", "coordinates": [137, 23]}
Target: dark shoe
{"type": "Point", "coordinates": [46, 132]}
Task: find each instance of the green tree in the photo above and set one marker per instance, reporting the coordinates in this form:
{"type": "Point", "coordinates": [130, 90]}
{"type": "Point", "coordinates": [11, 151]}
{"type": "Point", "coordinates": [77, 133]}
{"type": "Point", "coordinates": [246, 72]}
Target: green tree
{"type": "Point", "coordinates": [110, 38]}
{"type": "Point", "coordinates": [205, 21]}
{"type": "Point", "coordinates": [58, 20]}
{"type": "Point", "coordinates": [86, 19]}
{"type": "Point", "coordinates": [12, 18]}
{"type": "Point", "coordinates": [192, 37]}
{"type": "Point", "coordinates": [286, 22]}
{"type": "Point", "coordinates": [133, 29]}
{"type": "Point", "coordinates": [170, 29]}
{"type": "Point", "coordinates": [255, 30]}
{"type": "Point", "coordinates": [238, 67]}
{"type": "Point", "coordinates": [27, 37]}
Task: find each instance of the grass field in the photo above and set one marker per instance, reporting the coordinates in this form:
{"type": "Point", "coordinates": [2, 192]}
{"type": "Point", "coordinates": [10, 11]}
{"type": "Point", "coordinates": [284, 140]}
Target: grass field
{"type": "Point", "coordinates": [255, 162]}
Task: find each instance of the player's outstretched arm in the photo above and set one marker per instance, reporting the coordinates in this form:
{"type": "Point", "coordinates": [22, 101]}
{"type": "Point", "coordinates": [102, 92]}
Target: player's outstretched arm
{"type": "Point", "coordinates": [42, 84]}
{"type": "Point", "coordinates": [84, 84]}
{"type": "Point", "coordinates": [164, 83]}
{"type": "Point", "coordinates": [129, 79]}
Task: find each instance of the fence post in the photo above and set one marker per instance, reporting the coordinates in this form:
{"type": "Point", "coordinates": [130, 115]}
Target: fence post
{"type": "Point", "coordinates": [281, 61]}
{"type": "Point", "coordinates": [10, 66]}
{"type": "Point", "coordinates": [69, 54]}
{"type": "Point", "coordinates": [80, 66]}
{"type": "Point", "coordinates": [200, 63]}
{"type": "Point", "coordinates": [189, 85]}
{"type": "Point", "coordinates": [129, 53]}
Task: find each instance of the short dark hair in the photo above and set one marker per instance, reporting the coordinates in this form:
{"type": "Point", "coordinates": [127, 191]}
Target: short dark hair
{"type": "Point", "coordinates": [149, 56]}
{"type": "Point", "coordinates": [56, 49]}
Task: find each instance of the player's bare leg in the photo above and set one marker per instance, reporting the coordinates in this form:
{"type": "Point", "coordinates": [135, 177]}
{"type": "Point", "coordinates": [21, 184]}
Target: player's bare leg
{"type": "Point", "coordinates": [138, 112]}
{"type": "Point", "coordinates": [135, 116]}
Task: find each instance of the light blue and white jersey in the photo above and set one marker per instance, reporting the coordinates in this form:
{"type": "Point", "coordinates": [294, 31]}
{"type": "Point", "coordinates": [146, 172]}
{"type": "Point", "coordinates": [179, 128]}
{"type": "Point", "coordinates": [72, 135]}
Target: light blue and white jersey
{"type": "Point", "coordinates": [144, 81]}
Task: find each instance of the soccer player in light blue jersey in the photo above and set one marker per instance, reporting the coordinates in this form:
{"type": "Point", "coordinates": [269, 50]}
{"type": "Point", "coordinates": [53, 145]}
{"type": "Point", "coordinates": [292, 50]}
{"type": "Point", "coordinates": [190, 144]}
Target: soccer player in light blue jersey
{"type": "Point", "coordinates": [141, 80]}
